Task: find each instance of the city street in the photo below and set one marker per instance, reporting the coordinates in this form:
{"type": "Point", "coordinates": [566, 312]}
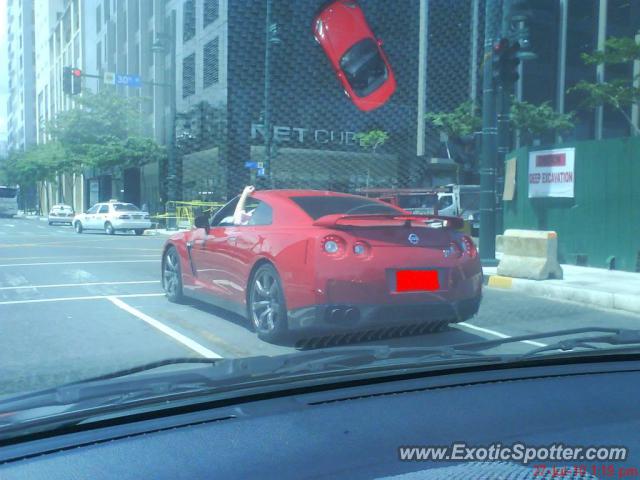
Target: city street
{"type": "Point", "coordinates": [75, 306]}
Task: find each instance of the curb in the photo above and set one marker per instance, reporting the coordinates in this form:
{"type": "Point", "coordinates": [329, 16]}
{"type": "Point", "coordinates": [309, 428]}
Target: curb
{"type": "Point", "coordinates": [616, 301]}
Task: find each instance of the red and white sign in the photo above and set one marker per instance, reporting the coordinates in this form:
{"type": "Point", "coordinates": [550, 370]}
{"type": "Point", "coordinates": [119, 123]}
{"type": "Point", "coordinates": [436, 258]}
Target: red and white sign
{"type": "Point", "coordinates": [551, 173]}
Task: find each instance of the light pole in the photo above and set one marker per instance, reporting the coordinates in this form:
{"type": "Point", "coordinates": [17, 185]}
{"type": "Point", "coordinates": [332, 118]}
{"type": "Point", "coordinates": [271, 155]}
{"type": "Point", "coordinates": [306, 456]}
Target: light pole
{"type": "Point", "coordinates": [489, 141]}
{"type": "Point", "coordinates": [271, 38]}
{"type": "Point", "coordinates": [165, 43]}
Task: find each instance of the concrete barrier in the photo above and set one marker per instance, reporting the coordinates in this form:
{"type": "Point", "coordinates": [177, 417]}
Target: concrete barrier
{"type": "Point", "coordinates": [529, 254]}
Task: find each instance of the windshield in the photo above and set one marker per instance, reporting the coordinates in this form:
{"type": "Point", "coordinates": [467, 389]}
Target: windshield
{"type": "Point", "coordinates": [320, 206]}
{"type": "Point", "coordinates": [470, 200]}
{"type": "Point", "coordinates": [8, 192]}
{"type": "Point", "coordinates": [311, 186]}
{"type": "Point", "coordinates": [364, 67]}
{"type": "Point", "coordinates": [125, 207]}
{"type": "Point", "coordinates": [417, 201]}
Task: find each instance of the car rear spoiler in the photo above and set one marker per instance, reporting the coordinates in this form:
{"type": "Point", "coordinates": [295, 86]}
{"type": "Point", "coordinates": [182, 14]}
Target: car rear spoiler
{"type": "Point", "coordinates": [341, 220]}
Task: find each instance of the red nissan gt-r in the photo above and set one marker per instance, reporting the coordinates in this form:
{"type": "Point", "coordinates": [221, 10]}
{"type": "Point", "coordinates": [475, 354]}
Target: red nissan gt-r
{"type": "Point", "coordinates": [327, 261]}
{"type": "Point", "coordinates": [355, 54]}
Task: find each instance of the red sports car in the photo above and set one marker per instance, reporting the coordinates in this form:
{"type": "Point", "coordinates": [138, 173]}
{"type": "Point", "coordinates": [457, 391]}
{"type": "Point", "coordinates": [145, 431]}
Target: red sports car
{"type": "Point", "coordinates": [355, 54]}
{"type": "Point", "coordinates": [325, 261]}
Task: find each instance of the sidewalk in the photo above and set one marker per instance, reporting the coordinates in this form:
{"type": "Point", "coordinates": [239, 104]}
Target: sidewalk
{"type": "Point", "coordinates": [590, 286]}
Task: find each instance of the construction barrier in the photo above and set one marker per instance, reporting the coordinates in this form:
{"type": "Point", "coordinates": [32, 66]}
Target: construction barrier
{"type": "Point", "coordinates": [531, 254]}
{"type": "Point", "coordinates": [182, 214]}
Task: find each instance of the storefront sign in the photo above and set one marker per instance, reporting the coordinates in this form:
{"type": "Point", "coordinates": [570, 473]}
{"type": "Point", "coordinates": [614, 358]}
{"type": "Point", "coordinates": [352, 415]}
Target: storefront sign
{"type": "Point", "coordinates": [299, 135]}
{"type": "Point", "coordinates": [551, 173]}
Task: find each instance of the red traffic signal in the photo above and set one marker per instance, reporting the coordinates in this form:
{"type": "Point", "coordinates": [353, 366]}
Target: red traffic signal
{"type": "Point", "coordinates": [76, 72]}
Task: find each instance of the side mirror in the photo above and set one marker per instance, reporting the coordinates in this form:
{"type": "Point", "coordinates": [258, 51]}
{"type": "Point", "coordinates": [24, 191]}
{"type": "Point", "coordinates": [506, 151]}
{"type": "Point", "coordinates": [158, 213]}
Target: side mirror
{"type": "Point", "coordinates": [202, 221]}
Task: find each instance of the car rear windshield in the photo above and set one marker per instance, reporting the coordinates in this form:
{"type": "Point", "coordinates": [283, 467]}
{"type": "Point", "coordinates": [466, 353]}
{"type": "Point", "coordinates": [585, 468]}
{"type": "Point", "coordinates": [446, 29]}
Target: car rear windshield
{"type": "Point", "coordinates": [62, 207]}
{"type": "Point", "coordinates": [125, 207]}
{"type": "Point", "coordinates": [364, 67]}
{"type": "Point", "coordinates": [319, 206]}
{"type": "Point", "coordinates": [8, 192]}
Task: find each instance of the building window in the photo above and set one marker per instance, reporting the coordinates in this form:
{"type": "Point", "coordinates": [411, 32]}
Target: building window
{"type": "Point", "coordinates": [210, 64]}
{"type": "Point", "coordinates": [188, 20]}
{"type": "Point", "coordinates": [189, 75]}
{"type": "Point", "coordinates": [98, 18]}
{"type": "Point", "coordinates": [99, 55]}
{"type": "Point", "coordinates": [210, 15]}
{"type": "Point", "coordinates": [107, 11]}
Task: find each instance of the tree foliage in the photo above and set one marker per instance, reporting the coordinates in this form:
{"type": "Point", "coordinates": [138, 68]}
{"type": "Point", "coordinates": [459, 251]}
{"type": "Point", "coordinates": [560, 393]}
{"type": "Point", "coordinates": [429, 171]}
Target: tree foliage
{"type": "Point", "coordinates": [617, 93]}
{"type": "Point", "coordinates": [103, 131]}
{"type": "Point", "coordinates": [537, 120]}
{"type": "Point", "coordinates": [460, 123]}
{"type": "Point", "coordinates": [373, 139]}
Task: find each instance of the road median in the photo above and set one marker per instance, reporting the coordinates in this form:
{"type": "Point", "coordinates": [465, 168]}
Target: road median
{"type": "Point", "coordinates": [589, 286]}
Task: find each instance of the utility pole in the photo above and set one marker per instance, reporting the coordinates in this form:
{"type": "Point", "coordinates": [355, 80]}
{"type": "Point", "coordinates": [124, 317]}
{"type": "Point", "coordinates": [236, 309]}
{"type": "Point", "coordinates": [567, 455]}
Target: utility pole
{"type": "Point", "coordinates": [268, 128]}
{"type": "Point", "coordinates": [489, 141]}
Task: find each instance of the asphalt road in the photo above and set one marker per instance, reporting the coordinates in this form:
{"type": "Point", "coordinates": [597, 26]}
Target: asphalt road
{"type": "Point", "coordinates": [75, 306]}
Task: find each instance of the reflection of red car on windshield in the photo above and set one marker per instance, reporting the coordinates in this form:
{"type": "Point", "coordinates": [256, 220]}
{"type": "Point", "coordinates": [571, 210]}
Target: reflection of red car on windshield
{"type": "Point", "coordinates": [355, 54]}
{"type": "Point", "coordinates": [326, 261]}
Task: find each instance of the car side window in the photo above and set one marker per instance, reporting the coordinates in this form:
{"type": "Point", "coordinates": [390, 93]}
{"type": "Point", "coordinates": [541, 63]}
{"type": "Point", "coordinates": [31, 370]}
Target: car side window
{"type": "Point", "coordinates": [261, 213]}
{"type": "Point", "coordinates": [104, 209]}
{"type": "Point", "coordinates": [93, 209]}
{"type": "Point", "coordinates": [224, 216]}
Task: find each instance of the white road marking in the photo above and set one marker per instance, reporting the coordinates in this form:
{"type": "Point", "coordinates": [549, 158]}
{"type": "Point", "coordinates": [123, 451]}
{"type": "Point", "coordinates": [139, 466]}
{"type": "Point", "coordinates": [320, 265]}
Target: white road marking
{"type": "Point", "coordinates": [88, 297]}
{"type": "Point", "coordinates": [8, 225]}
{"type": "Point", "coordinates": [498, 334]}
{"type": "Point", "coordinates": [186, 341]}
{"type": "Point", "coordinates": [73, 263]}
{"type": "Point", "coordinates": [63, 285]}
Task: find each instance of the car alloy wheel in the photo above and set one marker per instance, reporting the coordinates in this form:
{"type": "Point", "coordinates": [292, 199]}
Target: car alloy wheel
{"type": "Point", "coordinates": [171, 276]}
{"type": "Point", "coordinates": [267, 308]}
{"type": "Point", "coordinates": [108, 228]}
{"type": "Point", "coordinates": [78, 227]}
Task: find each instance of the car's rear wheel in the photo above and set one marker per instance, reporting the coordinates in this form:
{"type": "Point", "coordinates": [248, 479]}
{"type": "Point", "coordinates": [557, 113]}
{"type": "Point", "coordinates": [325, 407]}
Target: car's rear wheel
{"type": "Point", "coordinates": [172, 276]}
{"type": "Point", "coordinates": [78, 227]}
{"type": "Point", "coordinates": [139, 231]}
{"type": "Point", "coordinates": [108, 228]}
{"type": "Point", "coordinates": [267, 308]}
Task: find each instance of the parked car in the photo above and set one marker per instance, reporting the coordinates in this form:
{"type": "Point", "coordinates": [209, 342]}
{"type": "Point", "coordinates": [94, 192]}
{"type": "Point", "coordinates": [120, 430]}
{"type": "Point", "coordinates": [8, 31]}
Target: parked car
{"type": "Point", "coordinates": [319, 260]}
{"type": "Point", "coordinates": [355, 54]}
{"type": "Point", "coordinates": [61, 213]}
{"type": "Point", "coordinates": [111, 217]}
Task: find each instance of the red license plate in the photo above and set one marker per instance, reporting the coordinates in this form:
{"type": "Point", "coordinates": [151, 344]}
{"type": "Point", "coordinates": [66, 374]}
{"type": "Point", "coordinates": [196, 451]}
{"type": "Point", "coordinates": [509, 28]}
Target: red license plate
{"type": "Point", "coordinates": [417, 280]}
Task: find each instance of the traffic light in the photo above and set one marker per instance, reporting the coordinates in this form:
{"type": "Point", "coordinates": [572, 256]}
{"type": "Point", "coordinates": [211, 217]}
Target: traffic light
{"type": "Point", "coordinates": [71, 80]}
{"type": "Point", "coordinates": [505, 62]}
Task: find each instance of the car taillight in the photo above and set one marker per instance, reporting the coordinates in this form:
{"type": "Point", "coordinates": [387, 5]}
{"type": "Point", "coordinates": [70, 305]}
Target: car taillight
{"type": "Point", "coordinates": [333, 245]}
{"type": "Point", "coordinates": [468, 247]}
{"type": "Point", "coordinates": [453, 250]}
{"type": "Point", "coordinates": [361, 249]}
{"type": "Point", "coordinates": [124, 217]}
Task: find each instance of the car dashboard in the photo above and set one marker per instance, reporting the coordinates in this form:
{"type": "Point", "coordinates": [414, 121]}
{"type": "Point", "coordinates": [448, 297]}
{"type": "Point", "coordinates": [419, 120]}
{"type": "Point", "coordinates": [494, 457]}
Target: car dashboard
{"type": "Point", "coordinates": [355, 431]}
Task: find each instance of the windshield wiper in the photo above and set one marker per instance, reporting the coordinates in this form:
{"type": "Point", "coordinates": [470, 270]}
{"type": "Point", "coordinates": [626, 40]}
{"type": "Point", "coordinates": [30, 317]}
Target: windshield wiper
{"type": "Point", "coordinates": [80, 401]}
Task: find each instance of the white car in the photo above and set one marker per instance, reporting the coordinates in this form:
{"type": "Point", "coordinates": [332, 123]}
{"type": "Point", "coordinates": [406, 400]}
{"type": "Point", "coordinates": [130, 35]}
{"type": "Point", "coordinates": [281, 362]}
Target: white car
{"type": "Point", "coordinates": [112, 216]}
{"type": "Point", "coordinates": [61, 213]}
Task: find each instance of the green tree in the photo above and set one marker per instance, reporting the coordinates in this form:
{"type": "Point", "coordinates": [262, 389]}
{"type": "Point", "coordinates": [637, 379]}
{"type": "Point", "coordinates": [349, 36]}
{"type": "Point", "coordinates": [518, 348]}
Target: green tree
{"type": "Point", "coordinates": [373, 139]}
{"type": "Point", "coordinates": [460, 124]}
{"type": "Point", "coordinates": [618, 93]}
{"type": "Point", "coordinates": [37, 164]}
{"type": "Point", "coordinates": [536, 120]}
{"type": "Point", "coordinates": [105, 131]}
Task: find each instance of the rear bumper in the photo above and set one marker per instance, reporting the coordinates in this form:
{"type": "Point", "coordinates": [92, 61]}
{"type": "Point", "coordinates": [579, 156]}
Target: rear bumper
{"type": "Point", "coordinates": [131, 224]}
{"type": "Point", "coordinates": [68, 220]}
{"type": "Point", "coordinates": [346, 318]}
